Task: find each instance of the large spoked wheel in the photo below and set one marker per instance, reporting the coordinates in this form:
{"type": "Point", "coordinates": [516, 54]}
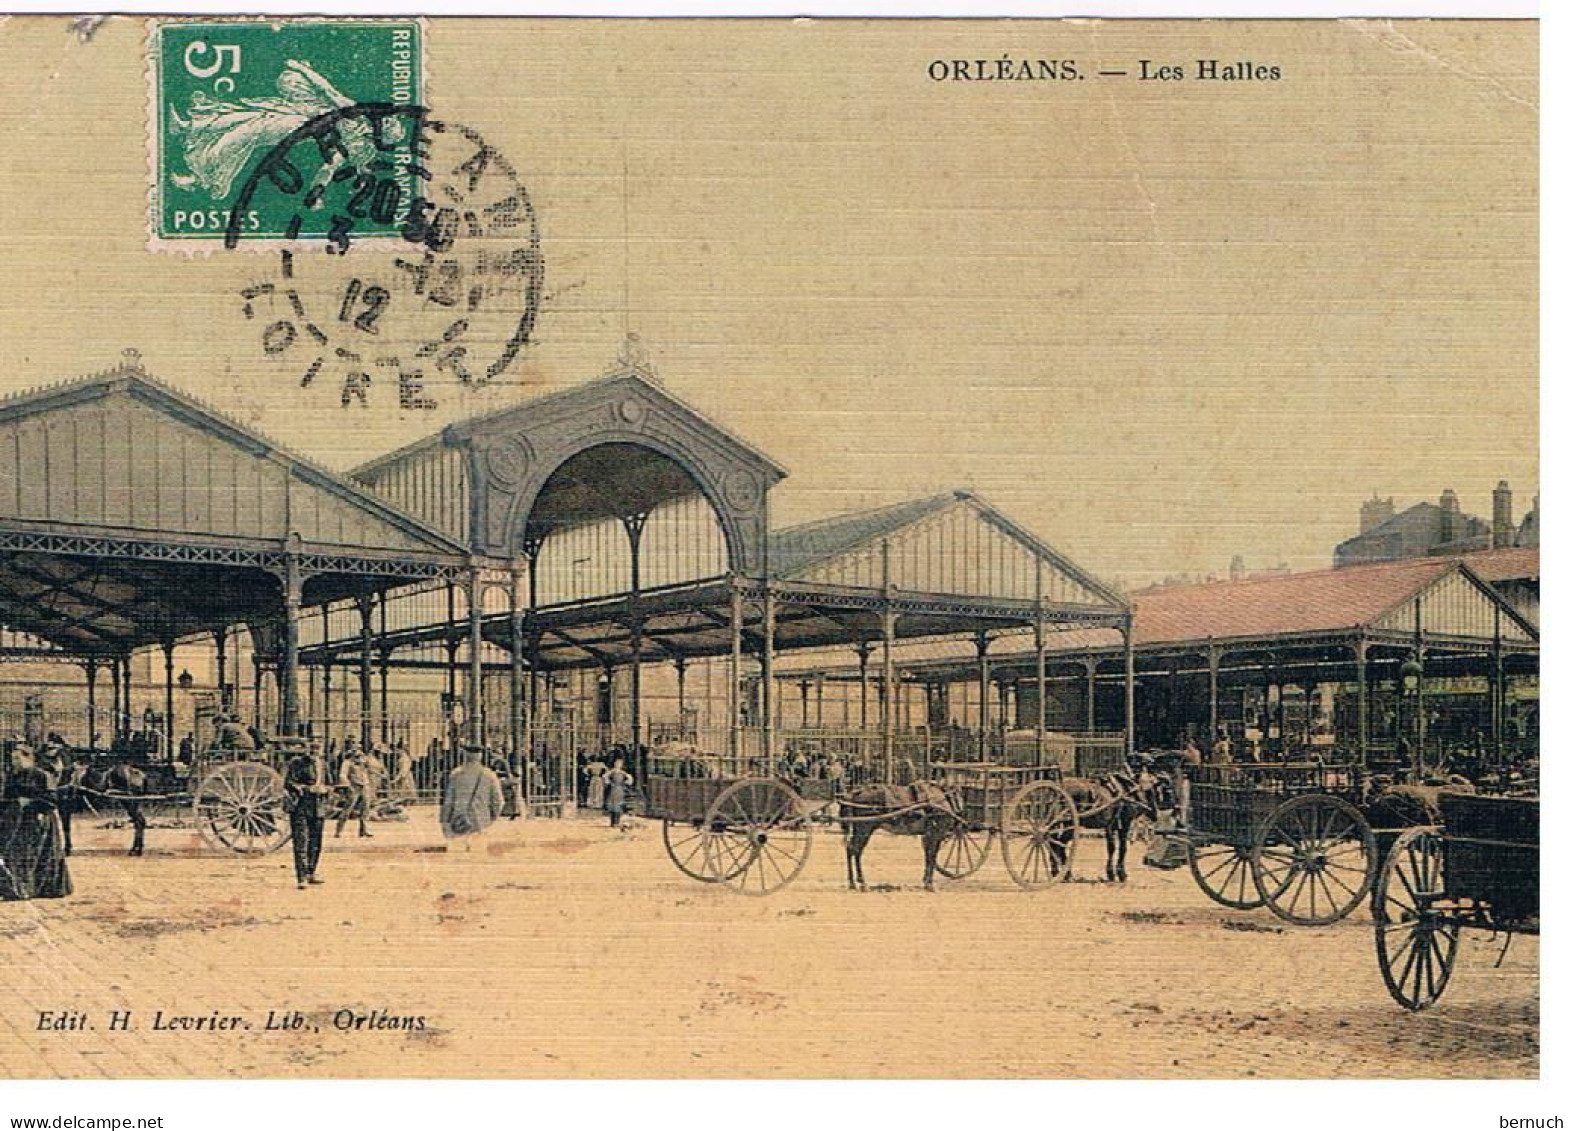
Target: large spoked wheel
{"type": "Point", "coordinates": [1223, 871]}
{"type": "Point", "coordinates": [762, 835]}
{"type": "Point", "coordinates": [1416, 945]}
{"type": "Point", "coordinates": [240, 808]}
{"type": "Point", "coordinates": [1038, 835]}
{"type": "Point", "coordinates": [700, 853]}
{"type": "Point", "coordinates": [1314, 860]}
{"type": "Point", "coordinates": [963, 851]}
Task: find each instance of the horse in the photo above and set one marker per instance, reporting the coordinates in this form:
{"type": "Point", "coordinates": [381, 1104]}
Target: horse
{"type": "Point", "coordinates": [1112, 801]}
{"type": "Point", "coordinates": [921, 808]}
{"type": "Point", "coordinates": [1399, 805]}
{"type": "Point", "coordinates": [121, 782]}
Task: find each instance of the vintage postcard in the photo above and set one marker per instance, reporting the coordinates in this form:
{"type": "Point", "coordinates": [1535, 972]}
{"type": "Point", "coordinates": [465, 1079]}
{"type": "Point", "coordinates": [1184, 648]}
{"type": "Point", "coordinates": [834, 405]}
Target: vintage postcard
{"type": "Point", "coordinates": [769, 548]}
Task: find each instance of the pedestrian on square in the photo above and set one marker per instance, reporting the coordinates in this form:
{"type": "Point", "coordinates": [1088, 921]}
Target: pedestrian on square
{"type": "Point", "coordinates": [595, 796]}
{"type": "Point", "coordinates": [617, 782]}
{"type": "Point", "coordinates": [305, 787]}
{"type": "Point", "coordinates": [403, 775]}
{"type": "Point", "coordinates": [355, 784]}
{"type": "Point", "coordinates": [510, 788]}
{"type": "Point", "coordinates": [472, 798]}
{"type": "Point", "coordinates": [57, 760]}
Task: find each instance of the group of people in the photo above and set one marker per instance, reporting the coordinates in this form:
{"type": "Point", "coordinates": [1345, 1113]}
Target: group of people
{"type": "Point", "coordinates": [816, 767]}
{"type": "Point", "coordinates": [606, 787]}
{"type": "Point", "coordinates": [475, 795]}
{"type": "Point", "coordinates": [1221, 753]}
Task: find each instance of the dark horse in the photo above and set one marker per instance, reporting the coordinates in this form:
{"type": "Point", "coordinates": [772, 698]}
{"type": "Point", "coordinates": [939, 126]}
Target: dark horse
{"type": "Point", "coordinates": [922, 808]}
{"type": "Point", "coordinates": [1112, 801]}
{"type": "Point", "coordinates": [120, 782]}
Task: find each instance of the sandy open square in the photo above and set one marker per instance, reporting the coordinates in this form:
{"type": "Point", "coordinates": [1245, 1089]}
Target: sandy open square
{"type": "Point", "coordinates": [563, 948]}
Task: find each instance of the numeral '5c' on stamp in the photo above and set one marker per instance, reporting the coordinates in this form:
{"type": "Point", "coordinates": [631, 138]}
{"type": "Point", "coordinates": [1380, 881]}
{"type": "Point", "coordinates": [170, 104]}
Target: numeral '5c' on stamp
{"type": "Point", "coordinates": [225, 93]}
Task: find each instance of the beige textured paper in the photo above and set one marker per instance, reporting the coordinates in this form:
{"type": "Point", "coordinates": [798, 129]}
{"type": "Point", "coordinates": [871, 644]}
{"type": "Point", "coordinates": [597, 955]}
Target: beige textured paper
{"type": "Point", "coordinates": [1157, 323]}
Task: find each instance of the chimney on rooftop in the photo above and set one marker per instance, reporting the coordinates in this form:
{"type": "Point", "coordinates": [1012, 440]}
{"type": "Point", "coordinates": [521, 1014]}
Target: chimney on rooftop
{"type": "Point", "coordinates": [1374, 512]}
{"type": "Point", "coordinates": [1501, 516]}
{"type": "Point", "coordinates": [1449, 506]}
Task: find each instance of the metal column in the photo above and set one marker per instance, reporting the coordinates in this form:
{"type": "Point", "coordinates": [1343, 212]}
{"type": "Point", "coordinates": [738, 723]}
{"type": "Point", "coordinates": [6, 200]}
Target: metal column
{"type": "Point", "coordinates": [1041, 720]}
{"type": "Point", "coordinates": [472, 704]}
{"type": "Point", "coordinates": [1129, 632]}
{"type": "Point", "coordinates": [90, 669]}
{"type": "Point", "coordinates": [116, 719]}
{"type": "Point", "coordinates": [887, 714]}
{"type": "Point", "coordinates": [767, 675]}
{"type": "Point", "coordinates": [982, 642]}
{"type": "Point", "coordinates": [735, 674]}
{"type": "Point", "coordinates": [1362, 702]}
{"type": "Point", "coordinates": [384, 655]}
{"type": "Point", "coordinates": [634, 526]}
{"type": "Point", "coordinates": [1212, 698]}
{"type": "Point", "coordinates": [289, 671]}
{"type": "Point", "coordinates": [516, 677]}
{"type": "Point", "coordinates": [1498, 695]}
{"type": "Point", "coordinates": [864, 649]}
{"type": "Point", "coordinates": [221, 646]}
{"type": "Point", "coordinates": [169, 699]}
{"type": "Point", "coordinates": [363, 607]}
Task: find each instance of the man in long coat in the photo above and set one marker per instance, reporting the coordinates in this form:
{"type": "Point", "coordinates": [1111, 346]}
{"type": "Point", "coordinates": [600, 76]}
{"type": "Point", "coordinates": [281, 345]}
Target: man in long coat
{"type": "Point", "coordinates": [305, 789]}
{"type": "Point", "coordinates": [472, 798]}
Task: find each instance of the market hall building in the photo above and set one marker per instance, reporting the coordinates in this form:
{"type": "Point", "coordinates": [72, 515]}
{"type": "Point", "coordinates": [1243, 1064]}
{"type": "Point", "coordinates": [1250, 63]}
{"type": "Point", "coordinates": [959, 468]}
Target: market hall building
{"type": "Point", "coordinates": [516, 579]}
{"type": "Point", "coordinates": [1387, 662]}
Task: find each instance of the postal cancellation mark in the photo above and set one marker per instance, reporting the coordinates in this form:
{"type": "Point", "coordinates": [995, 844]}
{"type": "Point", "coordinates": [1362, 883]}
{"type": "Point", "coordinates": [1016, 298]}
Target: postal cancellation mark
{"type": "Point", "coordinates": [224, 93]}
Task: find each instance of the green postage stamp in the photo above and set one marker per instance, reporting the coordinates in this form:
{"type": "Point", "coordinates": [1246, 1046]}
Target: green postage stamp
{"type": "Point", "coordinates": [224, 94]}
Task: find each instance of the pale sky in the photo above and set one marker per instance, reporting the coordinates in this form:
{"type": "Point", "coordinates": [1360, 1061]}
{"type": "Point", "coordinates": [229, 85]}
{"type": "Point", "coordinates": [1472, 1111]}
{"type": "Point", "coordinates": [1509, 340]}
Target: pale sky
{"type": "Point", "coordinates": [1158, 323]}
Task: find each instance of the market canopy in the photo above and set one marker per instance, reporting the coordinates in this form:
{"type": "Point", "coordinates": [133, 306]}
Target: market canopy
{"type": "Point", "coordinates": [132, 514]}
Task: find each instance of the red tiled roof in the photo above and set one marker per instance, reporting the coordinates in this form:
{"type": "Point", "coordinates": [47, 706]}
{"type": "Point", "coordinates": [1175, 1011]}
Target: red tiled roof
{"type": "Point", "coordinates": [1504, 565]}
{"type": "Point", "coordinates": [1294, 604]}
{"type": "Point", "coordinates": [1288, 604]}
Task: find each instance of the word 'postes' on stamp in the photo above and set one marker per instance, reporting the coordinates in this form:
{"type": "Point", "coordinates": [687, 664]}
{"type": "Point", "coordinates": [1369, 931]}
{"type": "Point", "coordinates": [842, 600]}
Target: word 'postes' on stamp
{"type": "Point", "coordinates": [395, 274]}
{"type": "Point", "coordinates": [225, 92]}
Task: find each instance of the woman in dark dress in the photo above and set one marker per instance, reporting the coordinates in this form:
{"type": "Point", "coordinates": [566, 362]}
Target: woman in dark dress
{"type": "Point", "coordinates": [32, 850]}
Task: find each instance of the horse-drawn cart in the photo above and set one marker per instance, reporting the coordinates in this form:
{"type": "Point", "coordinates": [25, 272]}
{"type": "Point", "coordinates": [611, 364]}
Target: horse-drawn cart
{"type": "Point", "coordinates": [238, 797]}
{"type": "Point", "coordinates": [235, 797]}
{"type": "Point", "coordinates": [1023, 807]}
{"type": "Point", "coordinates": [1288, 834]}
{"type": "Point", "coordinates": [752, 833]}
{"type": "Point", "coordinates": [1480, 870]}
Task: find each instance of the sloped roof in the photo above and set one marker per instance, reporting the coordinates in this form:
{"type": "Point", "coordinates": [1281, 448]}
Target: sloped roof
{"type": "Point", "coordinates": [1516, 564]}
{"type": "Point", "coordinates": [545, 405]}
{"type": "Point", "coordinates": [1280, 606]}
{"type": "Point", "coordinates": [379, 525]}
{"type": "Point", "coordinates": [1287, 604]}
{"type": "Point", "coordinates": [798, 551]}
{"type": "Point", "coordinates": [796, 547]}
{"type": "Point", "coordinates": [1418, 529]}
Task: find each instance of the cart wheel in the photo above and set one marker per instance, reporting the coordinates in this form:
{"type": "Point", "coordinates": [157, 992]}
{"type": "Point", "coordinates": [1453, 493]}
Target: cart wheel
{"type": "Point", "coordinates": [1416, 946]}
{"type": "Point", "coordinates": [1315, 860]}
{"type": "Point", "coordinates": [1038, 835]}
{"type": "Point", "coordinates": [963, 851]}
{"type": "Point", "coordinates": [1223, 871]}
{"type": "Point", "coordinates": [762, 835]}
{"type": "Point", "coordinates": [700, 853]}
{"type": "Point", "coordinates": [240, 808]}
